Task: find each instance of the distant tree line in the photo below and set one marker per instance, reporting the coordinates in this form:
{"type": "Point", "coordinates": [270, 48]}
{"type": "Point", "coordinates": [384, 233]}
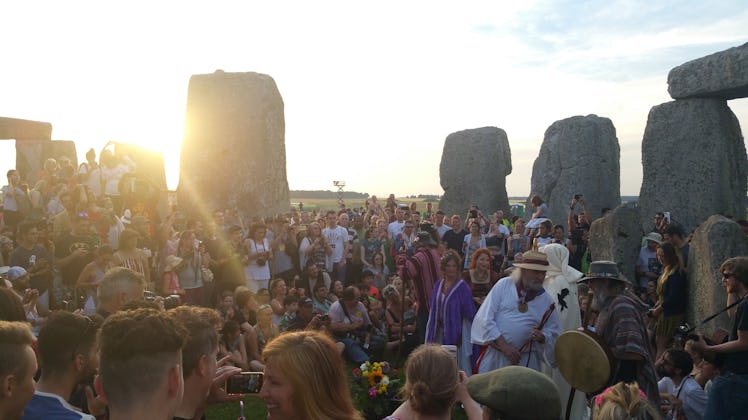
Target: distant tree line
{"type": "Point", "coordinates": [326, 194]}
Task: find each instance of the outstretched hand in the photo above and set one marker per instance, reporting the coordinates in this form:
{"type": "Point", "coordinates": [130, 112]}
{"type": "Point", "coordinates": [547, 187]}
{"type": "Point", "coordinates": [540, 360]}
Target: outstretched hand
{"type": "Point", "coordinates": [217, 394]}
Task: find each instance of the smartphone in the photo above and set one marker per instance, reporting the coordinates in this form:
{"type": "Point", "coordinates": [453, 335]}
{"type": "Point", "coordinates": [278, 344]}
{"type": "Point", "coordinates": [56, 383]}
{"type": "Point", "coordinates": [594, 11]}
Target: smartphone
{"type": "Point", "coordinates": [578, 196]}
{"type": "Point", "coordinates": [245, 383]}
{"type": "Point", "coordinates": [324, 317]}
{"type": "Point", "coordinates": [473, 213]}
{"type": "Point", "coordinates": [667, 216]}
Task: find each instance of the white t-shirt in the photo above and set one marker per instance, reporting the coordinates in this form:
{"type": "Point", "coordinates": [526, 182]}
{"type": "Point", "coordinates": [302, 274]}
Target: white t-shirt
{"type": "Point", "coordinates": [337, 237]}
{"type": "Point", "coordinates": [689, 392]}
{"type": "Point", "coordinates": [395, 228]}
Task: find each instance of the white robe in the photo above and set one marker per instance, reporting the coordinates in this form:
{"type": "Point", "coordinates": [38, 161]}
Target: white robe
{"type": "Point", "coordinates": [499, 316]}
{"type": "Point", "coordinates": [570, 319]}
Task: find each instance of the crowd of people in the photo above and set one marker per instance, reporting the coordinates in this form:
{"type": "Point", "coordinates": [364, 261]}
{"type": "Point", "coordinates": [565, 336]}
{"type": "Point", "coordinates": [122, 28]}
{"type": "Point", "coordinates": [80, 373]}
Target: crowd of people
{"type": "Point", "coordinates": [165, 310]}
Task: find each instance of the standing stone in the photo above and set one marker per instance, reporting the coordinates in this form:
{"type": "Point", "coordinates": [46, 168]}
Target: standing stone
{"type": "Point", "coordinates": [579, 155]}
{"type": "Point", "coordinates": [713, 242]}
{"type": "Point", "coordinates": [14, 128]}
{"type": "Point", "coordinates": [234, 151]}
{"type": "Point", "coordinates": [617, 237]}
{"type": "Point", "coordinates": [31, 155]}
{"type": "Point", "coordinates": [694, 162]}
{"type": "Point", "coordinates": [473, 171]}
{"type": "Point", "coordinates": [721, 75]}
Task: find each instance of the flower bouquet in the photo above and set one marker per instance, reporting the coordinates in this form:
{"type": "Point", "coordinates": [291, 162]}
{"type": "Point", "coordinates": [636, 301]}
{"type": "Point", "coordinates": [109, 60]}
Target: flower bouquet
{"type": "Point", "coordinates": [374, 388]}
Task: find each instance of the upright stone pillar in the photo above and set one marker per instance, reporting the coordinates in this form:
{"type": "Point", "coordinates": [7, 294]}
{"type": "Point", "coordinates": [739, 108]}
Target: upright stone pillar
{"type": "Point", "coordinates": [234, 152]}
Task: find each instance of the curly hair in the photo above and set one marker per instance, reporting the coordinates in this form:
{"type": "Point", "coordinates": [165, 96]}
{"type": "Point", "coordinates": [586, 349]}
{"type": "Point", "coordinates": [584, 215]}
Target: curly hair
{"type": "Point", "coordinates": [624, 401]}
{"type": "Point", "coordinates": [477, 253]}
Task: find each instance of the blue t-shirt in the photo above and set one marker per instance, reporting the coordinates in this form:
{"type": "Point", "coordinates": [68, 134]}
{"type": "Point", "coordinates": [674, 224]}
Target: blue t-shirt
{"type": "Point", "coordinates": [44, 405]}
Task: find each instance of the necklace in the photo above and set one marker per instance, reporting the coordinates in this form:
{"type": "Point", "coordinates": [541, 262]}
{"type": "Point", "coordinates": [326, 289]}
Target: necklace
{"type": "Point", "coordinates": [483, 278]}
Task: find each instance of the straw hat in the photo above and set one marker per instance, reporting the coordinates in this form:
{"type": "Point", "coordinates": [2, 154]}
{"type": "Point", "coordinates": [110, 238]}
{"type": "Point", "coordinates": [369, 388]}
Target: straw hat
{"type": "Point", "coordinates": [172, 261]}
{"type": "Point", "coordinates": [534, 260]}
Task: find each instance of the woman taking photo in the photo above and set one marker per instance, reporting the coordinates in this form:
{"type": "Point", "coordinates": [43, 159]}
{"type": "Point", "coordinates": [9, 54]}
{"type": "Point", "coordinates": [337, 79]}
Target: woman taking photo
{"type": "Point", "coordinates": [452, 311]}
{"type": "Point", "coordinates": [190, 273]}
{"type": "Point", "coordinates": [479, 275]}
{"type": "Point", "coordinates": [473, 240]}
{"type": "Point", "coordinates": [316, 248]}
{"type": "Point", "coordinates": [305, 379]}
{"type": "Point", "coordinates": [672, 298]}
{"type": "Point", "coordinates": [259, 255]}
{"type": "Point", "coordinates": [432, 387]}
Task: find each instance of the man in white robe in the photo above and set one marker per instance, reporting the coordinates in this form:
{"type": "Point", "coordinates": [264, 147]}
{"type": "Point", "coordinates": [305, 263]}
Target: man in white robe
{"type": "Point", "coordinates": [517, 322]}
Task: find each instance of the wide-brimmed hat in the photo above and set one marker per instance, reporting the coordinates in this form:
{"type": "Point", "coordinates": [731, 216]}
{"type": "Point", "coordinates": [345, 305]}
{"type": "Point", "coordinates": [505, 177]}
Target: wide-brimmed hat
{"type": "Point", "coordinates": [172, 261]}
{"type": "Point", "coordinates": [516, 392]}
{"type": "Point", "coordinates": [654, 237]}
{"type": "Point", "coordinates": [534, 260]}
{"type": "Point", "coordinates": [604, 270]}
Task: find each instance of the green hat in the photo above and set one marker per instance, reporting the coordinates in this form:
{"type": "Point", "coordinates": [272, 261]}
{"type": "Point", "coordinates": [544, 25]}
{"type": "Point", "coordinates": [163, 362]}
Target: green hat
{"type": "Point", "coordinates": [516, 392]}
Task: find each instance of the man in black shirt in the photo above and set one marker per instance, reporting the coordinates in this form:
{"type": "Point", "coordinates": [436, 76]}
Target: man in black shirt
{"type": "Point", "coordinates": [305, 318]}
{"type": "Point", "coordinates": [727, 398]}
{"type": "Point", "coordinates": [453, 238]}
{"type": "Point", "coordinates": [73, 249]}
{"type": "Point", "coordinates": [30, 255]}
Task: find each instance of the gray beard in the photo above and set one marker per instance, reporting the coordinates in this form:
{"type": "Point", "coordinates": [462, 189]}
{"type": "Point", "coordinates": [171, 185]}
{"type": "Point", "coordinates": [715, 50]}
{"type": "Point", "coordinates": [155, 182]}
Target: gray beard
{"type": "Point", "coordinates": [599, 300]}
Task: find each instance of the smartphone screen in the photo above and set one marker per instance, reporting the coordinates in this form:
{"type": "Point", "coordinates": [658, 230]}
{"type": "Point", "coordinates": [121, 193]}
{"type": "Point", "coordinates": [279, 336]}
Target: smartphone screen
{"type": "Point", "coordinates": [245, 383]}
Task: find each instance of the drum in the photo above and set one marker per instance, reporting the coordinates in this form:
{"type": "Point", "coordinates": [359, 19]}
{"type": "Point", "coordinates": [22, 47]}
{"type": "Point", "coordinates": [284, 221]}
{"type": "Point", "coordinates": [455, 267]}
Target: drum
{"type": "Point", "coordinates": [583, 361]}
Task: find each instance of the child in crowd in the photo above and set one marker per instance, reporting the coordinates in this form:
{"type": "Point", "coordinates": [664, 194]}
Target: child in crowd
{"type": "Point", "coordinates": [291, 305]}
{"type": "Point", "coordinates": [170, 280]}
{"type": "Point", "coordinates": [263, 297]}
{"type": "Point", "coordinates": [367, 279]}
{"type": "Point", "coordinates": [226, 307]}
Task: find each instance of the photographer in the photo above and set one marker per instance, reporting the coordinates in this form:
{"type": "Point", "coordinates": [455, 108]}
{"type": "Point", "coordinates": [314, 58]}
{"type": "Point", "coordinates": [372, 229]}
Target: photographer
{"type": "Point", "coordinates": [577, 221]}
{"type": "Point", "coordinates": [306, 319]}
{"type": "Point", "coordinates": [727, 397]}
{"type": "Point", "coordinates": [259, 255]}
{"type": "Point", "coordinates": [30, 255]}
{"type": "Point", "coordinates": [349, 321]}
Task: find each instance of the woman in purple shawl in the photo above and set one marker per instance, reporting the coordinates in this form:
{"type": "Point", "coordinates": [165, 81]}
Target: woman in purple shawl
{"type": "Point", "coordinates": [452, 311]}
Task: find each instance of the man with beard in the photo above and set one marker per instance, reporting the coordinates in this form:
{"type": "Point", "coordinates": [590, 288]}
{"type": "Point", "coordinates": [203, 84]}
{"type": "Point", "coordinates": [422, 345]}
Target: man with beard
{"type": "Point", "coordinates": [423, 270]}
{"type": "Point", "coordinates": [683, 394]}
{"type": "Point", "coordinates": [517, 323]}
{"type": "Point", "coordinates": [620, 323]}
{"type": "Point", "coordinates": [68, 352]}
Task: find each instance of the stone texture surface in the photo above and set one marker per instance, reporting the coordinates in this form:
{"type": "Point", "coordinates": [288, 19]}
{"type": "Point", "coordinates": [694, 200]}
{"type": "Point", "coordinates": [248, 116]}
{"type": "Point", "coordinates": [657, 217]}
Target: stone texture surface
{"type": "Point", "coordinates": [31, 154]}
{"type": "Point", "coordinates": [14, 128]}
{"type": "Point", "coordinates": [473, 171]}
{"type": "Point", "coordinates": [715, 241]}
{"type": "Point", "coordinates": [617, 237]}
{"type": "Point", "coordinates": [579, 155]}
{"type": "Point", "coordinates": [694, 162]}
{"type": "Point", "coordinates": [234, 152]}
{"type": "Point", "coordinates": [722, 75]}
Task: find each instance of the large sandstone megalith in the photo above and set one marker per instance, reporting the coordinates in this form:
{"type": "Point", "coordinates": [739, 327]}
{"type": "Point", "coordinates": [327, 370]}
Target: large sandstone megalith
{"type": "Point", "coordinates": [234, 151]}
{"type": "Point", "coordinates": [617, 237]}
{"type": "Point", "coordinates": [473, 171]}
{"type": "Point", "coordinates": [579, 155]}
{"type": "Point", "coordinates": [31, 155]}
{"type": "Point", "coordinates": [694, 162]}
{"type": "Point", "coordinates": [722, 75]}
{"type": "Point", "coordinates": [713, 242]}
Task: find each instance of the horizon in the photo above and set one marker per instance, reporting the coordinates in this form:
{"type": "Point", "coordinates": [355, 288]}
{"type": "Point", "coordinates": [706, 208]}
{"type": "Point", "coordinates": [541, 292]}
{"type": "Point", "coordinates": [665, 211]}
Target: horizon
{"type": "Point", "coordinates": [356, 77]}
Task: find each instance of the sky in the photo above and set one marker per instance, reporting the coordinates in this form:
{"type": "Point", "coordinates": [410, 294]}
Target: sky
{"type": "Point", "coordinates": [371, 89]}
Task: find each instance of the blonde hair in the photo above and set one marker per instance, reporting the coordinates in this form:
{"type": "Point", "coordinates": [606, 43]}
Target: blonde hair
{"type": "Point", "coordinates": [431, 380]}
{"type": "Point", "coordinates": [312, 364]}
{"type": "Point", "coordinates": [624, 401]}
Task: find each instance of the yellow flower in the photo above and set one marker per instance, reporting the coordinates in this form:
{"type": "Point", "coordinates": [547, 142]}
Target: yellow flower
{"type": "Point", "coordinates": [375, 378]}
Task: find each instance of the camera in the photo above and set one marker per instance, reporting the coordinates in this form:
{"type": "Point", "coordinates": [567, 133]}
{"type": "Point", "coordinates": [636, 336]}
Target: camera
{"type": "Point", "coordinates": [170, 302]}
{"type": "Point", "coordinates": [324, 317]}
{"type": "Point", "coordinates": [473, 213]}
{"type": "Point", "coordinates": [578, 196]}
{"type": "Point", "coordinates": [684, 333]}
{"type": "Point", "coordinates": [261, 261]}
